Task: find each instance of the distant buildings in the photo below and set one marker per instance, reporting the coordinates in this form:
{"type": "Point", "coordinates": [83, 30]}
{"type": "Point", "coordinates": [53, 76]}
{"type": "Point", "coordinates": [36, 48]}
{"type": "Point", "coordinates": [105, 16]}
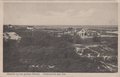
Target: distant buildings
{"type": "Point", "coordinates": [29, 27]}
{"type": "Point", "coordinates": [8, 26]}
{"type": "Point", "coordinates": [83, 33]}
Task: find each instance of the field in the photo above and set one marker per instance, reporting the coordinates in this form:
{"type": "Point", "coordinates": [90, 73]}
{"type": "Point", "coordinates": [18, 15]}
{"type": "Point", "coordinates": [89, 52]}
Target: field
{"type": "Point", "coordinates": [39, 50]}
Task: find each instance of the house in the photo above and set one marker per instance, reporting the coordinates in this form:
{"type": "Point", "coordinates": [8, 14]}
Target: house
{"type": "Point", "coordinates": [70, 31]}
{"type": "Point", "coordinates": [8, 26]}
{"type": "Point", "coordinates": [85, 33]}
{"type": "Point", "coordinates": [11, 36]}
{"type": "Point", "coordinates": [30, 27]}
{"type": "Point", "coordinates": [82, 32]}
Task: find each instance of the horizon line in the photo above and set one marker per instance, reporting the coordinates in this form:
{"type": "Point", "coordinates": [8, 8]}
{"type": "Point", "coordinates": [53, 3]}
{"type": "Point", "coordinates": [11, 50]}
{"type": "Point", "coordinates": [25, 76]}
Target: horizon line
{"type": "Point", "coordinates": [60, 24]}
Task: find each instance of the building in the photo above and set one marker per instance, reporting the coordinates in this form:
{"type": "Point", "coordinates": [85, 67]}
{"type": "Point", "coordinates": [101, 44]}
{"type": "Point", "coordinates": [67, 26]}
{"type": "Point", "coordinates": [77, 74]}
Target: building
{"type": "Point", "coordinates": [85, 33]}
{"type": "Point", "coordinates": [30, 27]}
{"type": "Point", "coordinates": [8, 26]}
{"type": "Point", "coordinates": [11, 36]}
{"type": "Point", "coordinates": [70, 31]}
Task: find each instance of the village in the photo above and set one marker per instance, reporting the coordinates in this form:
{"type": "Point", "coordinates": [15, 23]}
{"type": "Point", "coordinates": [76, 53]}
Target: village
{"type": "Point", "coordinates": [94, 45]}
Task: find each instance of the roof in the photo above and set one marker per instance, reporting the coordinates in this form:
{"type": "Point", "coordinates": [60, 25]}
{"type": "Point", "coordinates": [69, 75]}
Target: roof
{"type": "Point", "coordinates": [85, 29]}
{"type": "Point", "coordinates": [30, 26]}
{"type": "Point", "coordinates": [11, 35]}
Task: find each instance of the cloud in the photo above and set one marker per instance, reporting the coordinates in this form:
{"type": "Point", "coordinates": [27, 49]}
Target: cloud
{"type": "Point", "coordinates": [86, 13]}
{"type": "Point", "coordinates": [70, 16]}
{"type": "Point", "coordinates": [72, 13]}
{"type": "Point", "coordinates": [61, 14]}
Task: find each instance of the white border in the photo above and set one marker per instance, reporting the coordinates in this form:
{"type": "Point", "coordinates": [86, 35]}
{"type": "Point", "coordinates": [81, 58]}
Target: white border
{"type": "Point", "coordinates": [67, 74]}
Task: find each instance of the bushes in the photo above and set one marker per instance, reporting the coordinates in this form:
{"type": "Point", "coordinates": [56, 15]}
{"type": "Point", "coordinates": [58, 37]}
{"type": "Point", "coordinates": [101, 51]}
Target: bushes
{"type": "Point", "coordinates": [10, 55]}
{"type": "Point", "coordinates": [96, 39]}
{"type": "Point", "coordinates": [35, 38]}
{"type": "Point", "coordinates": [67, 38]}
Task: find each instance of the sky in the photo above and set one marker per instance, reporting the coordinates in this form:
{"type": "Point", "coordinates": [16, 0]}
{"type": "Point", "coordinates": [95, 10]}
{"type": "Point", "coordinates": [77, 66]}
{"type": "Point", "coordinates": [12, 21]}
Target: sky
{"type": "Point", "coordinates": [60, 13]}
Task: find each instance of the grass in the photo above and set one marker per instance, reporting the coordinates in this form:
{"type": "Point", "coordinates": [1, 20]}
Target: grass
{"type": "Point", "coordinates": [41, 48]}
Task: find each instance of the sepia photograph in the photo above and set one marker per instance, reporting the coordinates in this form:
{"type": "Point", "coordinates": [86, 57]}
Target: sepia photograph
{"type": "Point", "coordinates": [60, 37]}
